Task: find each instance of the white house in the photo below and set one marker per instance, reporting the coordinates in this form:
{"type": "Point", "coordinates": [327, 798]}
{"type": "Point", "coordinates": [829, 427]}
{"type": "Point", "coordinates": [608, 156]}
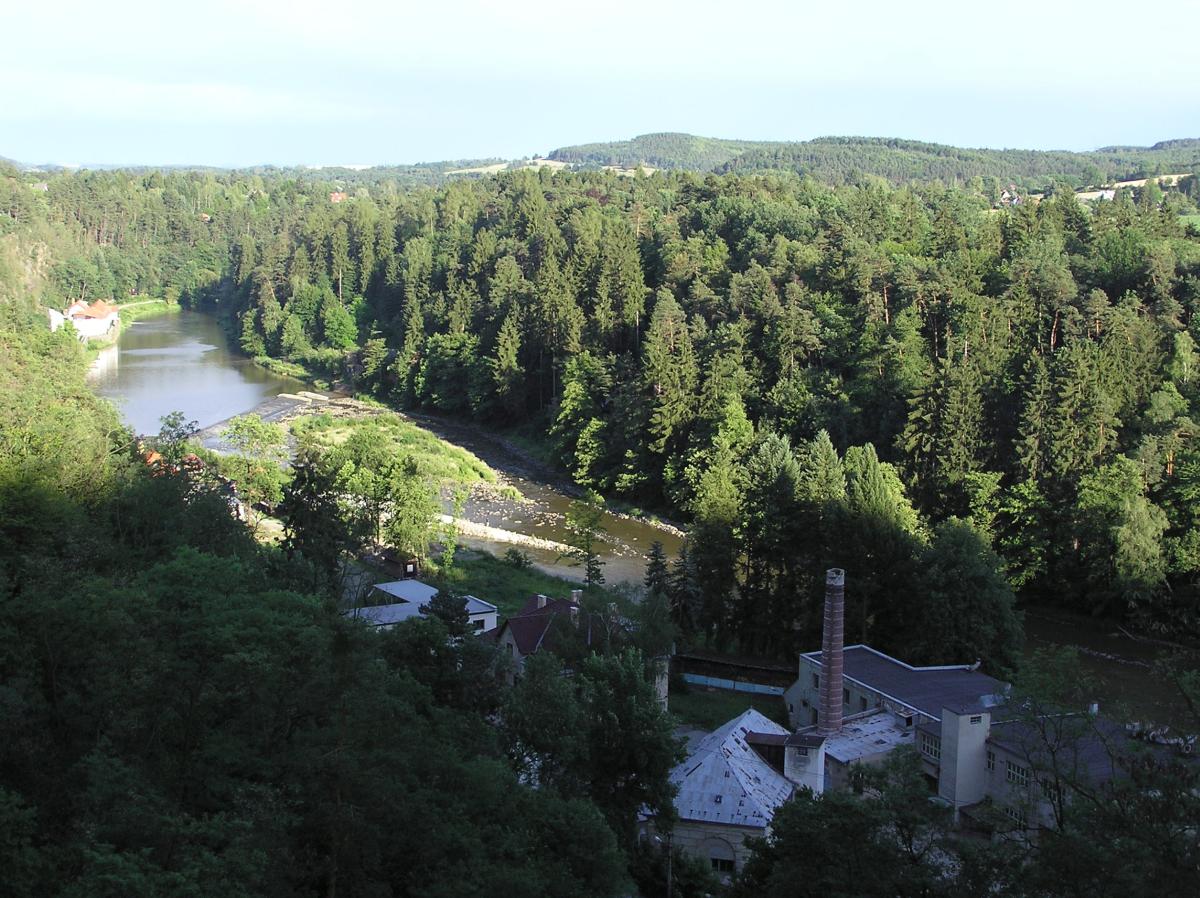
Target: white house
{"type": "Point", "coordinates": [407, 598]}
{"type": "Point", "coordinates": [94, 320]}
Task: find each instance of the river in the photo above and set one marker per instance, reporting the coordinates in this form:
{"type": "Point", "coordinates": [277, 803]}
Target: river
{"type": "Point", "coordinates": [181, 362]}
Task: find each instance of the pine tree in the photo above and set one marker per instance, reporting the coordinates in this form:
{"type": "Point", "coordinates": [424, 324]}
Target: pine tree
{"type": "Point", "coordinates": [408, 360]}
{"type": "Point", "coordinates": [657, 576]}
{"type": "Point", "coordinates": [508, 375]}
{"type": "Point", "coordinates": [340, 265]}
{"type": "Point", "coordinates": [1033, 438]}
{"type": "Point", "coordinates": [669, 372]}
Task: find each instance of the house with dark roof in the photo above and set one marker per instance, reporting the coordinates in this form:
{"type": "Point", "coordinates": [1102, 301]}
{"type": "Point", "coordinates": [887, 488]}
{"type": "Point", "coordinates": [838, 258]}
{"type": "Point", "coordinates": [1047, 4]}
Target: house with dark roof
{"type": "Point", "coordinates": [985, 758]}
{"type": "Point", "coordinates": [558, 625]}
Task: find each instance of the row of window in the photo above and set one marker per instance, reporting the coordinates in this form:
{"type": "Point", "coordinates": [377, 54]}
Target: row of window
{"type": "Point", "coordinates": [862, 699]}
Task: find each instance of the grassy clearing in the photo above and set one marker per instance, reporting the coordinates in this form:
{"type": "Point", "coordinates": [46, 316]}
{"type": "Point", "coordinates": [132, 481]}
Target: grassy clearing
{"type": "Point", "coordinates": [507, 587]}
{"type": "Point", "coordinates": [436, 459]}
{"type": "Point", "coordinates": [709, 708]}
{"type": "Point", "coordinates": [1193, 220]}
{"type": "Point", "coordinates": [284, 368]}
{"type": "Point", "coordinates": [145, 308]}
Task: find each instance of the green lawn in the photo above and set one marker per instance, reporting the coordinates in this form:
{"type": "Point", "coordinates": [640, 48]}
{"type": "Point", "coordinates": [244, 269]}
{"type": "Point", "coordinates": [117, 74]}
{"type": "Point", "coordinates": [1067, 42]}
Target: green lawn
{"type": "Point", "coordinates": [436, 459]}
{"type": "Point", "coordinates": [709, 708]}
{"type": "Point", "coordinates": [485, 576]}
{"type": "Point", "coordinates": [145, 308]}
{"type": "Point", "coordinates": [1191, 220]}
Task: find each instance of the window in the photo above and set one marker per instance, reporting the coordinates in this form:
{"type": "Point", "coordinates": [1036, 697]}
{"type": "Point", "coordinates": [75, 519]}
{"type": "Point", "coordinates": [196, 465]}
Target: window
{"type": "Point", "coordinates": [991, 760]}
{"type": "Point", "coordinates": [862, 703]}
{"type": "Point", "coordinates": [1016, 774]}
{"type": "Point", "coordinates": [722, 865]}
{"type": "Point", "coordinates": [816, 681]}
{"type": "Point", "coordinates": [976, 718]}
{"type": "Point", "coordinates": [1017, 815]}
{"type": "Point", "coordinates": [1051, 791]}
{"type": "Point", "coordinates": [845, 696]}
{"type": "Point", "coordinates": [932, 746]}
{"type": "Point", "coordinates": [813, 713]}
{"type": "Point", "coordinates": [479, 625]}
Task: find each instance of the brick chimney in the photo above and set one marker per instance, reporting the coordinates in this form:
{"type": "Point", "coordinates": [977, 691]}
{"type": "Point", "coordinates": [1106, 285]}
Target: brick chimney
{"type": "Point", "coordinates": [829, 712]}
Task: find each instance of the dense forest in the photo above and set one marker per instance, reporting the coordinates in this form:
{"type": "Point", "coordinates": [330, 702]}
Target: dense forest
{"type": "Point", "coordinates": [961, 403]}
{"type": "Point", "coordinates": [185, 716]}
{"type": "Point", "coordinates": [838, 160]}
{"type": "Point", "coordinates": [907, 382]}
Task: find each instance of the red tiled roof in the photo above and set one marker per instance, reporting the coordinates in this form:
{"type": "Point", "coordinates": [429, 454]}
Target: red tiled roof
{"type": "Point", "coordinates": [98, 309]}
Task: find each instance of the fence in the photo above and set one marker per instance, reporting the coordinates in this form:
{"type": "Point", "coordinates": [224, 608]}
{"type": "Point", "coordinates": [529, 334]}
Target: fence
{"type": "Point", "coordinates": [732, 685]}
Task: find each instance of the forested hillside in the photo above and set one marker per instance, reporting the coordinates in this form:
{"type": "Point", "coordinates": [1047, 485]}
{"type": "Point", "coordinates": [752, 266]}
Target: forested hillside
{"type": "Point", "coordinates": [963, 405]}
{"type": "Point", "coordinates": [685, 151]}
{"type": "Point", "coordinates": [903, 381]}
{"type": "Point", "coordinates": [840, 160]}
{"type": "Point", "coordinates": [184, 715]}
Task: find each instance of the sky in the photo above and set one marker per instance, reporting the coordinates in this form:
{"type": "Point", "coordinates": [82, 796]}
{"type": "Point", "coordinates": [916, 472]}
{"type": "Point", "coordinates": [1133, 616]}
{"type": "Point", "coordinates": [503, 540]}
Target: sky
{"type": "Point", "coordinates": [244, 82]}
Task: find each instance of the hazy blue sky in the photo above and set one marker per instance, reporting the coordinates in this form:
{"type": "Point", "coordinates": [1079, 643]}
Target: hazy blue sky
{"type": "Point", "coordinates": [349, 81]}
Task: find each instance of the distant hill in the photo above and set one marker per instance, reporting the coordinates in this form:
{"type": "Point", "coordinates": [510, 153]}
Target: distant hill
{"type": "Point", "coordinates": [838, 159]}
{"type": "Point", "coordinates": [667, 150]}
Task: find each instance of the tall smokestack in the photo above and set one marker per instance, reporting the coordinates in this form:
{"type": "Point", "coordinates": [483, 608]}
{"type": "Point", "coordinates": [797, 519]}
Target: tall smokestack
{"type": "Point", "coordinates": [829, 713]}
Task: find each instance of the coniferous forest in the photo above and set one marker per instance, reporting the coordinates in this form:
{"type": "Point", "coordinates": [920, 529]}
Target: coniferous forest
{"type": "Point", "coordinates": [970, 404]}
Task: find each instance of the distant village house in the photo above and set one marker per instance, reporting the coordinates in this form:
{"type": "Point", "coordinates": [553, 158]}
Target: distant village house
{"type": "Point", "coordinates": [90, 320]}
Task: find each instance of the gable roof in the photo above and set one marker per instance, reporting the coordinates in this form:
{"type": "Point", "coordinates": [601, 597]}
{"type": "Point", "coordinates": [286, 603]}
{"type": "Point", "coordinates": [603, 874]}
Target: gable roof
{"type": "Point", "coordinates": [386, 615]}
{"type": "Point", "coordinates": [726, 781]}
{"type": "Point", "coordinates": [924, 689]}
{"type": "Point", "coordinates": [530, 625]}
{"type": "Point", "coordinates": [408, 591]}
{"type": "Point", "coordinates": [98, 309]}
{"type": "Point", "coordinates": [479, 606]}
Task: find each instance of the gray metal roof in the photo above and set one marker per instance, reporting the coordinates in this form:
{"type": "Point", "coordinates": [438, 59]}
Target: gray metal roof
{"type": "Point", "coordinates": [868, 734]}
{"type": "Point", "coordinates": [408, 591]}
{"type": "Point", "coordinates": [479, 606]}
{"type": "Point", "coordinates": [386, 615]}
{"type": "Point", "coordinates": [726, 781]}
{"type": "Point", "coordinates": [925, 689]}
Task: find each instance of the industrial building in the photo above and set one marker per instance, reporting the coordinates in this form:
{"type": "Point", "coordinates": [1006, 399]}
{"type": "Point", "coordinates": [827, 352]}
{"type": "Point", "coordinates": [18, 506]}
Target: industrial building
{"type": "Point", "coordinates": [853, 705]}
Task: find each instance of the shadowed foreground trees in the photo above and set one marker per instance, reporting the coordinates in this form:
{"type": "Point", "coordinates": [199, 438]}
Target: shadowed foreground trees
{"type": "Point", "coordinates": [182, 719]}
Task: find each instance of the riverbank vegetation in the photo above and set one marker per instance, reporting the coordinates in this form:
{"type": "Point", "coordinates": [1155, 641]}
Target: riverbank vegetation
{"type": "Point", "coordinates": [433, 457]}
{"type": "Point", "coordinates": [508, 585]}
{"type": "Point", "coordinates": [190, 716]}
{"type": "Point", "coordinates": [955, 402]}
{"type": "Point", "coordinates": [930, 378]}
{"type": "Point", "coordinates": [923, 380]}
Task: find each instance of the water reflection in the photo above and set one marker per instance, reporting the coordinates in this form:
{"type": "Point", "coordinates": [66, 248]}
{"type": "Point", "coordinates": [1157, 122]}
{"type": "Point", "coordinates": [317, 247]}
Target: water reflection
{"type": "Point", "coordinates": [180, 362]}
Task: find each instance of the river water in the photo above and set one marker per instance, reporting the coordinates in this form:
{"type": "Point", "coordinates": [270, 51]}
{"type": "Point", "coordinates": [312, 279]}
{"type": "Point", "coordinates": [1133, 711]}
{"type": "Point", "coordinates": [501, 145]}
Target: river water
{"type": "Point", "coordinates": [181, 362]}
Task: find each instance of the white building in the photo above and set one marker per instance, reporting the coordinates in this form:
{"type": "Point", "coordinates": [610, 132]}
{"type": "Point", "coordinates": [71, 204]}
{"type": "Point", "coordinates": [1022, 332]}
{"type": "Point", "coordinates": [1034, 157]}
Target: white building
{"type": "Point", "coordinates": [97, 319]}
{"type": "Point", "coordinates": [728, 791]}
{"type": "Point", "coordinates": [408, 596]}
